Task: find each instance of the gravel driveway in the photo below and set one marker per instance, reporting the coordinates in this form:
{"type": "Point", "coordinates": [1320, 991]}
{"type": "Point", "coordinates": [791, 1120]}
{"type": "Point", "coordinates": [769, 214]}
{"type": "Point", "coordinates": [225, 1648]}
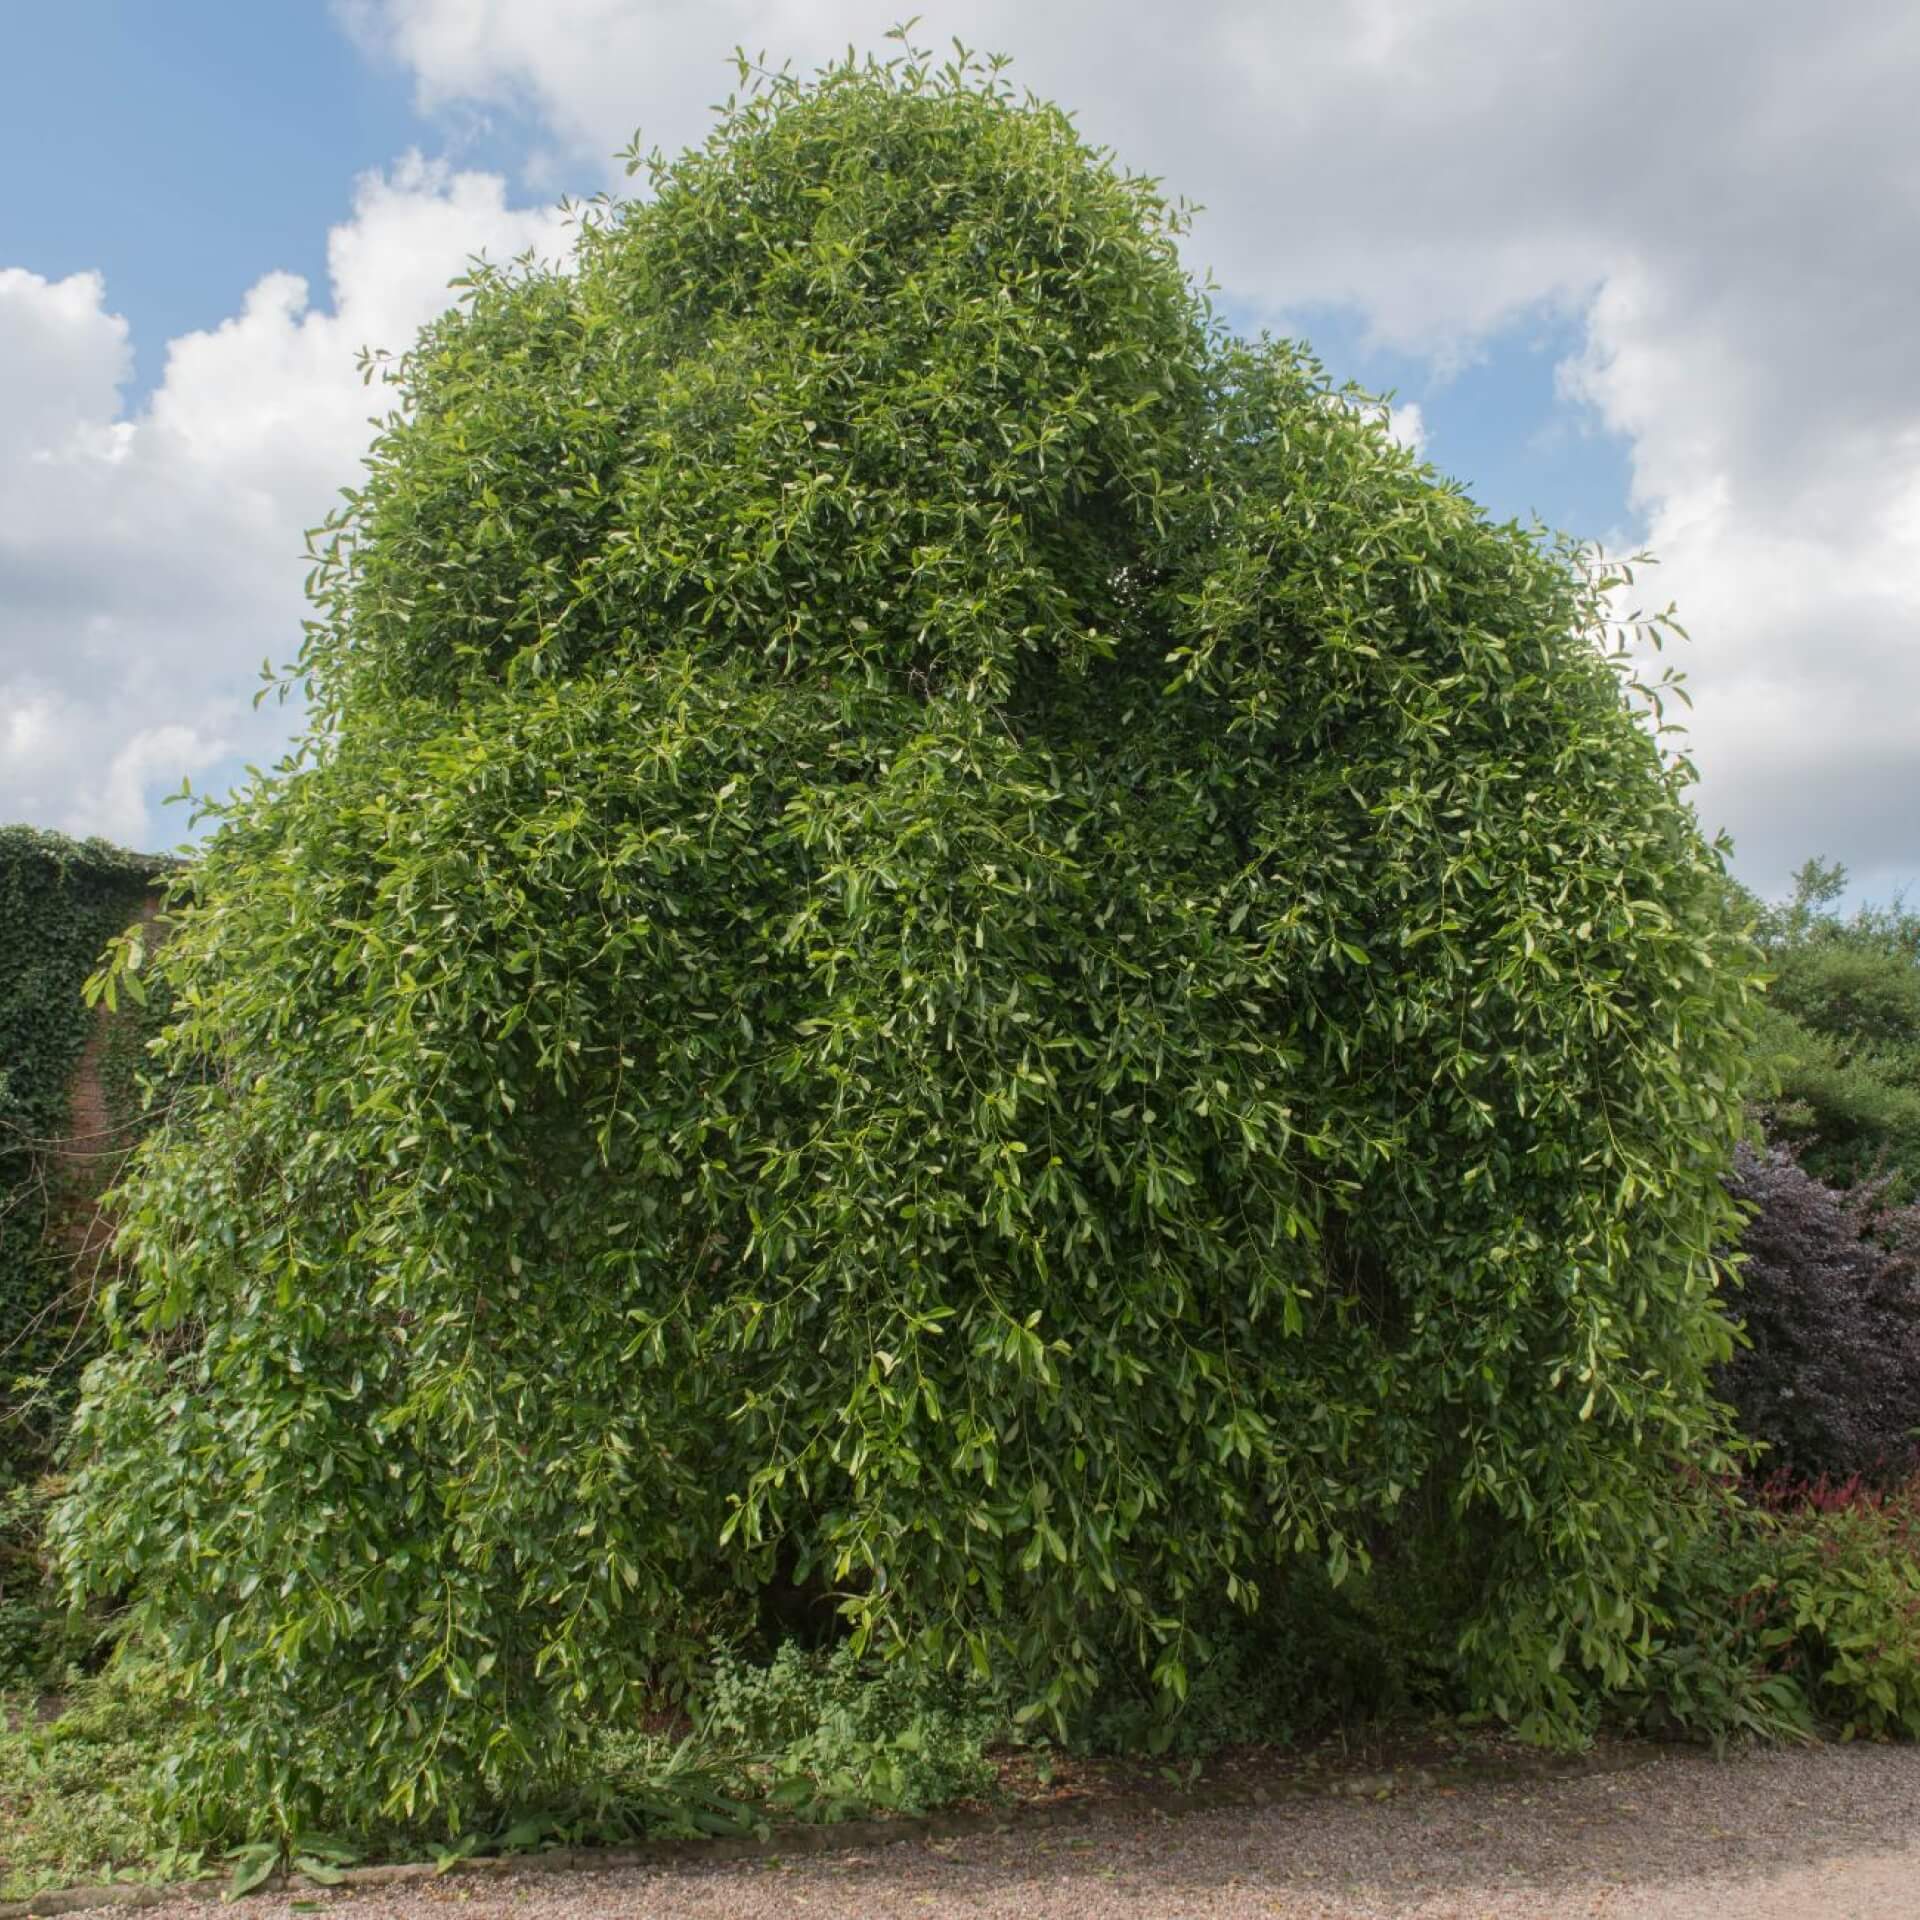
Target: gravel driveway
{"type": "Point", "coordinates": [1820, 1835]}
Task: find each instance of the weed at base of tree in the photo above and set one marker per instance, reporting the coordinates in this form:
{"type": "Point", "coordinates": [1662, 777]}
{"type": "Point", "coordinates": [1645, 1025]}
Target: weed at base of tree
{"type": "Point", "coordinates": [836, 1735]}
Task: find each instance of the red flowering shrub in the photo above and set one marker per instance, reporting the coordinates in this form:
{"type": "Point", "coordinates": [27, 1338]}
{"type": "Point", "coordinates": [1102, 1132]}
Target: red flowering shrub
{"type": "Point", "coordinates": [1850, 1583]}
{"type": "Point", "coordinates": [1796, 1611]}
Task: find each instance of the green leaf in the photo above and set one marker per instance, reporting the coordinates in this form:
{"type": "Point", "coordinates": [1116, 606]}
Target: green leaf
{"type": "Point", "coordinates": [253, 1866]}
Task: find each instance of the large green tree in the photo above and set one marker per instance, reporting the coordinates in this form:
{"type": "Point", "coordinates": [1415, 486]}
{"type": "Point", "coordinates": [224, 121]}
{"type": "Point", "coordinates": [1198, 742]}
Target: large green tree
{"type": "Point", "coordinates": [943, 935]}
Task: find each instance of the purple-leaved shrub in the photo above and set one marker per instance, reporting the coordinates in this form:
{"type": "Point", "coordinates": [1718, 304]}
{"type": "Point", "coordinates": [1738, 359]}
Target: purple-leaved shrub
{"type": "Point", "coordinates": [1830, 1376]}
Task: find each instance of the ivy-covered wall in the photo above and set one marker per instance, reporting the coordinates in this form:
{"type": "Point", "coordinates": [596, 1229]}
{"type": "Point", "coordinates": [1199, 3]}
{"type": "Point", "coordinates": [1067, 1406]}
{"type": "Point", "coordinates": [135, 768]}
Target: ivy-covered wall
{"type": "Point", "coordinates": [61, 900]}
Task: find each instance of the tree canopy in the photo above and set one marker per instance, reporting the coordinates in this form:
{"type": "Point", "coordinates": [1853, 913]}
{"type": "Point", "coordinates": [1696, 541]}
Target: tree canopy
{"type": "Point", "coordinates": [944, 937]}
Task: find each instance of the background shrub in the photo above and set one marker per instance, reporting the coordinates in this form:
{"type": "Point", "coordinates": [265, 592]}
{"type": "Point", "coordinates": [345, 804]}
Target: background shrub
{"type": "Point", "coordinates": [1840, 1037]}
{"type": "Point", "coordinates": [1829, 1297]}
{"type": "Point", "coordinates": [1850, 1582]}
{"type": "Point", "coordinates": [1723, 1666]}
{"type": "Point", "coordinates": [60, 901]}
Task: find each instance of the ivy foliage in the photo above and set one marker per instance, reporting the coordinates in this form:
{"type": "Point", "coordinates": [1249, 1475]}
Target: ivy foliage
{"type": "Point", "coordinates": [60, 902]}
{"type": "Point", "coordinates": [945, 939]}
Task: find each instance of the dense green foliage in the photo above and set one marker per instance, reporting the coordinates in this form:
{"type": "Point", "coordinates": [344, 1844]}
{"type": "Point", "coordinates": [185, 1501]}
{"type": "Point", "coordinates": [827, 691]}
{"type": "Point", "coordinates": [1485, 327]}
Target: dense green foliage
{"type": "Point", "coordinates": [946, 943]}
{"type": "Point", "coordinates": [1841, 1034]}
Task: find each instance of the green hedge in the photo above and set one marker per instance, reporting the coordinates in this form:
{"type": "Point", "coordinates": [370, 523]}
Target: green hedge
{"type": "Point", "coordinates": [61, 900]}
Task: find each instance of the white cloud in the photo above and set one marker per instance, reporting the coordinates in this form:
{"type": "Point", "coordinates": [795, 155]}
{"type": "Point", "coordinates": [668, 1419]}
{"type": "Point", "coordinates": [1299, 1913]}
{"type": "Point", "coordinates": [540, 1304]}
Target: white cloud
{"type": "Point", "coordinates": [62, 360]}
{"type": "Point", "coordinates": [1783, 493]}
{"type": "Point", "coordinates": [1727, 195]}
{"type": "Point", "coordinates": [1407, 425]}
{"type": "Point", "coordinates": [149, 562]}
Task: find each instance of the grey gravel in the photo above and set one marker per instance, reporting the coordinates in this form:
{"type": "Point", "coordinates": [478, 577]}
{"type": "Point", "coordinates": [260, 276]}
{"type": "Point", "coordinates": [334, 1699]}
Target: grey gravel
{"type": "Point", "coordinates": [1825, 1834]}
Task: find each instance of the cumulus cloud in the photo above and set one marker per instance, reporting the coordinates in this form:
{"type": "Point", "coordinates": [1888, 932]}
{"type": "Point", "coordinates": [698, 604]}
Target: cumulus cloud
{"type": "Point", "coordinates": [1728, 197]}
{"type": "Point", "coordinates": [1408, 425]}
{"type": "Point", "coordinates": [150, 560]}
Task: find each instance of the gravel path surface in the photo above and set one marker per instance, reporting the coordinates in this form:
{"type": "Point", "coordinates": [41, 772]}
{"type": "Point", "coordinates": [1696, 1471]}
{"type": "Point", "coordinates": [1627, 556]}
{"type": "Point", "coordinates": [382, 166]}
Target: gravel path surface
{"type": "Point", "coordinates": [1820, 1835]}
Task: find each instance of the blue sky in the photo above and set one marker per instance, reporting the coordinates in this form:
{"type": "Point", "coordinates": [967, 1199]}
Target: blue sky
{"type": "Point", "coordinates": [132, 130]}
{"type": "Point", "coordinates": [1621, 332]}
{"type": "Point", "coordinates": [1498, 422]}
